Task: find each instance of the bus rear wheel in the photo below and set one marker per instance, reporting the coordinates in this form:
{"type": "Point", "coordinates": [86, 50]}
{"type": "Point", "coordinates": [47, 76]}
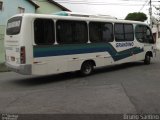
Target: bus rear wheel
{"type": "Point", "coordinates": [87, 68]}
{"type": "Point", "coordinates": [147, 59]}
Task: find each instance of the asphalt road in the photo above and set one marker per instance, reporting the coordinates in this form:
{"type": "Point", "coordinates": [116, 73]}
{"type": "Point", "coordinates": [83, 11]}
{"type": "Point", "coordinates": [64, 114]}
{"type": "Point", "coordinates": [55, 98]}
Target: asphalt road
{"type": "Point", "coordinates": [126, 88]}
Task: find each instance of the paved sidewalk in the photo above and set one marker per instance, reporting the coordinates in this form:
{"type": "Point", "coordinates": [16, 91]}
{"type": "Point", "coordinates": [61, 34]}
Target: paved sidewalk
{"type": "Point", "coordinates": [2, 57]}
{"type": "Point", "coordinates": [3, 68]}
{"type": "Point", "coordinates": [2, 51]}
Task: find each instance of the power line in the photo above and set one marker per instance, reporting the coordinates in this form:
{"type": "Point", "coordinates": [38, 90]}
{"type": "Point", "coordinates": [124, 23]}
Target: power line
{"type": "Point", "coordinates": [143, 5]}
{"type": "Point", "coordinates": [150, 12]}
{"type": "Point", "coordinates": [87, 2]}
{"type": "Point", "coordinates": [98, 3]}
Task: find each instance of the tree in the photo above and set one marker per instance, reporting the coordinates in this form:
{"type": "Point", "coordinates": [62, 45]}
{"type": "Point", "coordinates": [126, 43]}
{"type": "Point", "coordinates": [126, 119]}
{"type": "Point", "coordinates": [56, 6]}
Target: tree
{"type": "Point", "coordinates": [136, 16]}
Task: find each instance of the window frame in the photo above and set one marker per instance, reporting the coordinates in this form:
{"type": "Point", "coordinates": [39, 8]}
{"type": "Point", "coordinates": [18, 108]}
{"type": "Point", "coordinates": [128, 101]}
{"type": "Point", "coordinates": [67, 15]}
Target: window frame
{"type": "Point", "coordinates": [124, 33]}
{"type": "Point", "coordinates": [100, 24]}
{"type": "Point", "coordinates": [21, 10]}
{"type": "Point", "coordinates": [72, 24]}
{"type": "Point", "coordinates": [132, 32]}
{"type": "Point", "coordinates": [14, 30]}
{"type": "Point", "coordinates": [53, 32]}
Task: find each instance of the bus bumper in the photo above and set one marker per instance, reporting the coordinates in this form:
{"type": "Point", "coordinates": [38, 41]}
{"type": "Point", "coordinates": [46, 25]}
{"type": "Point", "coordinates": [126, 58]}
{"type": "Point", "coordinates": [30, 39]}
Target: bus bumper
{"type": "Point", "coordinates": [22, 69]}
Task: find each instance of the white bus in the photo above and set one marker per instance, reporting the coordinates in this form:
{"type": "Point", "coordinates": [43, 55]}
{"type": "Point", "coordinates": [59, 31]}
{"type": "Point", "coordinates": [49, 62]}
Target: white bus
{"type": "Point", "coordinates": [50, 44]}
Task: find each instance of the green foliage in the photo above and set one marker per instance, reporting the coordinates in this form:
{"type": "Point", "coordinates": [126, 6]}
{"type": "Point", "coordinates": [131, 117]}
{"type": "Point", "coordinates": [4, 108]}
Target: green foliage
{"type": "Point", "coordinates": [136, 16]}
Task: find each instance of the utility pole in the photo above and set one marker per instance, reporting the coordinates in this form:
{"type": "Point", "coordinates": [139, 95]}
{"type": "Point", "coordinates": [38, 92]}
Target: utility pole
{"type": "Point", "coordinates": [150, 13]}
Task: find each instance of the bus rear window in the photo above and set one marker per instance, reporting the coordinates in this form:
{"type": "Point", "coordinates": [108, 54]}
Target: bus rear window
{"type": "Point", "coordinates": [14, 26]}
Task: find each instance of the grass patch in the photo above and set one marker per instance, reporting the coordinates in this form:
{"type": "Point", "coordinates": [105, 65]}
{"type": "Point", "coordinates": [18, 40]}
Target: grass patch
{"type": "Point", "coordinates": [3, 68]}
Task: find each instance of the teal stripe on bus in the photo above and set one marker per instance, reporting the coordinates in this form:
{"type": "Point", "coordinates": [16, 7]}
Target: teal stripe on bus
{"type": "Point", "coordinates": [67, 49]}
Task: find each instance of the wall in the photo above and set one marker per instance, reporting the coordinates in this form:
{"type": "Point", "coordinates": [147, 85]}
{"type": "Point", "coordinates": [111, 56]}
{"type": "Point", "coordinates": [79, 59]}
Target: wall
{"type": "Point", "coordinates": [46, 7]}
{"type": "Point", "coordinates": [11, 8]}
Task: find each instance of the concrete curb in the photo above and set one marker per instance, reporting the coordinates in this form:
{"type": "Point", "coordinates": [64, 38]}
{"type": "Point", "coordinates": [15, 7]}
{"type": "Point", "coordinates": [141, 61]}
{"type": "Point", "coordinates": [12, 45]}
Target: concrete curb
{"type": "Point", "coordinates": [3, 68]}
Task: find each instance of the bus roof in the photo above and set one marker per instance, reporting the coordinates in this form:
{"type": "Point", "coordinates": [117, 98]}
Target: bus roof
{"type": "Point", "coordinates": [78, 18]}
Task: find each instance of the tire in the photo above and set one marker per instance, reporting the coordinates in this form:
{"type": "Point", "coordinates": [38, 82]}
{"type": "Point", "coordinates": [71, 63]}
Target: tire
{"type": "Point", "coordinates": [147, 59]}
{"type": "Point", "coordinates": [87, 68]}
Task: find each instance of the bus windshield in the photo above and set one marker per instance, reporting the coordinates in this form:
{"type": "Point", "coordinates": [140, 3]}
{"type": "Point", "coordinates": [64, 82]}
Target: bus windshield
{"type": "Point", "coordinates": [14, 26]}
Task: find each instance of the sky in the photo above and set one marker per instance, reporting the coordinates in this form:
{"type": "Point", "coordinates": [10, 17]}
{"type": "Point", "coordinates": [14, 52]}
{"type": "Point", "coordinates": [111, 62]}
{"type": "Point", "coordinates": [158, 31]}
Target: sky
{"type": "Point", "coordinates": [116, 8]}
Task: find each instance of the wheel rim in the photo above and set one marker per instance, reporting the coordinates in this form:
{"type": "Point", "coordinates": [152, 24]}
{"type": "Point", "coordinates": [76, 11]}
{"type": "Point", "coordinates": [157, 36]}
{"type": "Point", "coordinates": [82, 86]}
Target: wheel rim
{"type": "Point", "coordinates": [87, 69]}
{"type": "Point", "coordinates": [148, 58]}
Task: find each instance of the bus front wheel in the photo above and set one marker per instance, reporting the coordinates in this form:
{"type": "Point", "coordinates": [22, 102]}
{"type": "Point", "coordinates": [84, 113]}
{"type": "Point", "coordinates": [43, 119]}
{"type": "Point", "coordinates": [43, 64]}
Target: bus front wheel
{"type": "Point", "coordinates": [87, 68]}
{"type": "Point", "coordinates": [147, 59]}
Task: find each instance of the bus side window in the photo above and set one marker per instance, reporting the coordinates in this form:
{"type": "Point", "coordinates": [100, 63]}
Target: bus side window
{"type": "Point", "coordinates": [44, 31]}
{"type": "Point", "coordinates": [119, 32]}
{"type": "Point", "coordinates": [129, 32]}
{"type": "Point", "coordinates": [123, 32]}
{"type": "Point", "coordinates": [71, 32]}
{"type": "Point", "coordinates": [100, 32]}
{"type": "Point", "coordinates": [108, 32]}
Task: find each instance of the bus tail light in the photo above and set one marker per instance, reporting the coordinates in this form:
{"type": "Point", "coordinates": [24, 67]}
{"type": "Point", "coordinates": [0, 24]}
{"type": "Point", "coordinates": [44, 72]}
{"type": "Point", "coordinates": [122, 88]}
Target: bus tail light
{"type": "Point", "coordinates": [23, 55]}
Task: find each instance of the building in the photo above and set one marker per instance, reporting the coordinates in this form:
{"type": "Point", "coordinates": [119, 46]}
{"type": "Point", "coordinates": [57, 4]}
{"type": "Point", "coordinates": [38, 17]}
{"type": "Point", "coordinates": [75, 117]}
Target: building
{"type": "Point", "coordinates": [9, 8]}
{"type": "Point", "coordinates": [156, 34]}
{"type": "Point", "coordinates": [49, 7]}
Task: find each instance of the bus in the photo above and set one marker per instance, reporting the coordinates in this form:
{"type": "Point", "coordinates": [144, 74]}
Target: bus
{"type": "Point", "coordinates": [37, 44]}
